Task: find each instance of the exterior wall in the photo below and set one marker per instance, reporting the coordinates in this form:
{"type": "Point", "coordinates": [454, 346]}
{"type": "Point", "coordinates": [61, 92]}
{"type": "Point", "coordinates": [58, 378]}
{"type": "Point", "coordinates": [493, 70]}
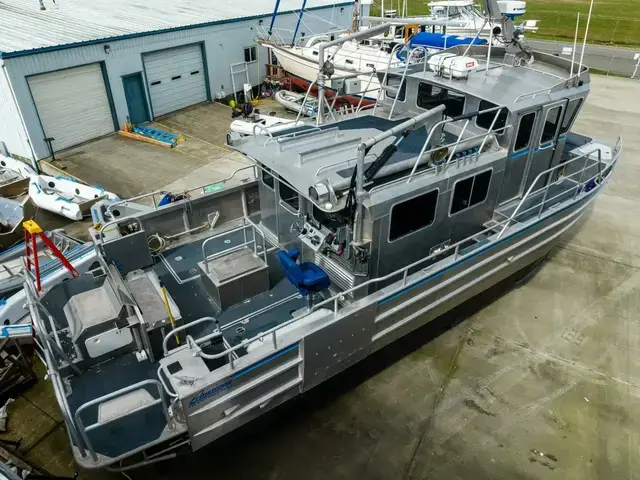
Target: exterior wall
{"type": "Point", "coordinates": [222, 44]}
{"type": "Point", "coordinates": [11, 130]}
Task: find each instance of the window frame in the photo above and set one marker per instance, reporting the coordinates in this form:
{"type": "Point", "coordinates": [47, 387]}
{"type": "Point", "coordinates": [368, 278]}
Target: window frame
{"type": "Point", "coordinates": [506, 120]}
{"type": "Point", "coordinates": [464, 97]}
{"type": "Point", "coordinates": [253, 54]}
{"type": "Point", "coordinates": [403, 82]}
{"type": "Point", "coordinates": [435, 215]}
{"type": "Point", "coordinates": [556, 134]}
{"type": "Point", "coordinates": [453, 189]}
{"type": "Point", "coordinates": [283, 203]}
{"type": "Point", "coordinates": [533, 131]}
{"type": "Point", "coordinates": [269, 172]}
{"type": "Point", "coordinates": [580, 101]}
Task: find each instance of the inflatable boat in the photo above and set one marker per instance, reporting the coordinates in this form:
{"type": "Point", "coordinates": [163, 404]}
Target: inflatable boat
{"type": "Point", "coordinates": [65, 196]}
{"type": "Point", "coordinates": [263, 123]}
{"type": "Point", "coordinates": [293, 101]}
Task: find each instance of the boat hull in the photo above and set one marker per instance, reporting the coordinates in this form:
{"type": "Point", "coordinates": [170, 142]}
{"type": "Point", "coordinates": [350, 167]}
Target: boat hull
{"type": "Point", "coordinates": [358, 330]}
{"type": "Point", "coordinates": [303, 72]}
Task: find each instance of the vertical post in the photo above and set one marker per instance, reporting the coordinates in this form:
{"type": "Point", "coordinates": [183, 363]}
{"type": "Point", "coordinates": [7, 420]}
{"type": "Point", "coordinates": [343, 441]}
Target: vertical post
{"type": "Point", "coordinates": [486, 72]}
{"type": "Point", "coordinates": [360, 193]}
{"type": "Point", "coordinates": [320, 82]}
{"type": "Point", "coordinates": [584, 41]}
{"type": "Point", "coordinates": [575, 43]}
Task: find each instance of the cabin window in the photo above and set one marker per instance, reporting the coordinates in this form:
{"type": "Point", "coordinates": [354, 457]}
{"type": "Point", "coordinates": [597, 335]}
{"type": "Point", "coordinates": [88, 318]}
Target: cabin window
{"type": "Point", "coordinates": [348, 62]}
{"type": "Point", "coordinates": [525, 129]}
{"type": "Point", "coordinates": [484, 120]}
{"type": "Point", "coordinates": [371, 65]}
{"type": "Point", "coordinates": [394, 81]}
{"type": "Point", "coordinates": [570, 115]}
{"type": "Point", "coordinates": [250, 54]}
{"type": "Point", "coordinates": [551, 124]}
{"type": "Point", "coordinates": [413, 215]}
{"type": "Point", "coordinates": [430, 96]}
{"type": "Point", "coordinates": [314, 53]}
{"type": "Point", "coordinates": [470, 191]}
{"type": "Point", "coordinates": [267, 178]}
{"type": "Point", "coordinates": [289, 196]}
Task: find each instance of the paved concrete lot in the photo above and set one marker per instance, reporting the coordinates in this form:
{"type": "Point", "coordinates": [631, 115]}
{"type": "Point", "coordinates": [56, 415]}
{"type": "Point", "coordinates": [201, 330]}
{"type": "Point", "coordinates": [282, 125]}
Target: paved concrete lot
{"type": "Point", "coordinates": [537, 380]}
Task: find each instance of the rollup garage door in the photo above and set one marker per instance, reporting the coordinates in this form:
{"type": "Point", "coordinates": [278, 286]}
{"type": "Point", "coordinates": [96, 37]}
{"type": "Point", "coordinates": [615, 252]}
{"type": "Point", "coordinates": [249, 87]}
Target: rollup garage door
{"type": "Point", "coordinates": [72, 104]}
{"type": "Point", "coordinates": [175, 78]}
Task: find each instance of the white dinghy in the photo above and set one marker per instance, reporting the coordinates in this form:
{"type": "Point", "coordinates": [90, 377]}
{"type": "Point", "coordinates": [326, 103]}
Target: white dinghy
{"type": "Point", "coordinates": [66, 197]}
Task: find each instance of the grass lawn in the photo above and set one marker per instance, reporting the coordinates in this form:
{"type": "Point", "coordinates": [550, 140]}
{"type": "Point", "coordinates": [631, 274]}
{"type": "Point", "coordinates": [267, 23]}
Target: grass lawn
{"type": "Point", "coordinates": [612, 22]}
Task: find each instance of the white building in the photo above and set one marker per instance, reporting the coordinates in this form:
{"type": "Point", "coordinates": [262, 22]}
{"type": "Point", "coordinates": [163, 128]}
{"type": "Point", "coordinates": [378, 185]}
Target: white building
{"type": "Point", "coordinates": [78, 69]}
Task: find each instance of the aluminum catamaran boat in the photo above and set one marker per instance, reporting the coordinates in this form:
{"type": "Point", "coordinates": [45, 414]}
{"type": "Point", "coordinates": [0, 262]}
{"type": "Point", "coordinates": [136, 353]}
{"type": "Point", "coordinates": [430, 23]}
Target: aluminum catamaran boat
{"type": "Point", "coordinates": [210, 311]}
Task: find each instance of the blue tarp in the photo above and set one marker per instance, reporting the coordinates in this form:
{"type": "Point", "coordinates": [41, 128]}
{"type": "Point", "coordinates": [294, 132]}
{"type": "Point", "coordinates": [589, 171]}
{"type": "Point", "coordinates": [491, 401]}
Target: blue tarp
{"type": "Point", "coordinates": [437, 40]}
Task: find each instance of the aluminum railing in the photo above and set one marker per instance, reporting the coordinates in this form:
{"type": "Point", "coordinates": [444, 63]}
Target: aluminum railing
{"type": "Point", "coordinates": [246, 243]}
{"type": "Point", "coordinates": [201, 188]}
{"type": "Point", "coordinates": [110, 396]}
{"type": "Point", "coordinates": [453, 251]}
{"type": "Point", "coordinates": [467, 117]}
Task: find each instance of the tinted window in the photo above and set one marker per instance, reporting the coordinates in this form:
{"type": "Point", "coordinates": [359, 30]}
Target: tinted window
{"type": "Point", "coordinates": [394, 81]}
{"type": "Point", "coordinates": [430, 96]}
{"type": "Point", "coordinates": [267, 178]}
{"type": "Point", "coordinates": [412, 215]}
{"type": "Point", "coordinates": [484, 120]}
{"type": "Point", "coordinates": [470, 192]}
{"type": "Point", "coordinates": [551, 124]}
{"type": "Point", "coordinates": [523, 138]}
{"type": "Point", "coordinates": [289, 196]}
{"type": "Point", "coordinates": [572, 110]}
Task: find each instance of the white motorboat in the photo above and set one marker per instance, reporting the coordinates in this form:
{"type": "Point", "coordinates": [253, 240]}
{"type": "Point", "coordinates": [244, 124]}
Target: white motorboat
{"type": "Point", "coordinates": [466, 18]}
{"type": "Point", "coordinates": [65, 196]}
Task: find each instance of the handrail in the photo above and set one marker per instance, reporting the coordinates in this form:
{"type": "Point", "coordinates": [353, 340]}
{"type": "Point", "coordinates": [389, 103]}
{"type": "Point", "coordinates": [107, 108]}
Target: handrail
{"type": "Point", "coordinates": [96, 401]}
{"type": "Point", "coordinates": [455, 119]}
{"type": "Point", "coordinates": [407, 62]}
{"type": "Point", "coordinates": [158, 192]}
{"type": "Point", "coordinates": [451, 250]}
{"type": "Point", "coordinates": [187, 326]}
{"type": "Point", "coordinates": [394, 50]}
{"type": "Point", "coordinates": [52, 368]}
{"type": "Point", "coordinates": [243, 227]}
{"type": "Point", "coordinates": [454, 247]}
{"type": "Point", "coordinates": [544, 173]}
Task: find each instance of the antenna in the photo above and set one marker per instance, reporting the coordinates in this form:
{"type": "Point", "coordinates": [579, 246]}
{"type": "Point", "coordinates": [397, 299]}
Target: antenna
{"type": "Point", "coordinates": [584, 41]}
{"type": "Point", "coordinates": [575, 44]}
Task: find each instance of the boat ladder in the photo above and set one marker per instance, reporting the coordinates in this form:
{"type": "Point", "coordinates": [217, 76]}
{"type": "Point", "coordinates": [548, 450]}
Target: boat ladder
{"type": "Point", "coordinates": [236, 69]}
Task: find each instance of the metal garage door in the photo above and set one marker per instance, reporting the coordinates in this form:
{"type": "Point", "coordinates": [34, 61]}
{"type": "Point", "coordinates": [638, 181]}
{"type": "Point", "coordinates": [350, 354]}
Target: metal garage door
{"type": "Point", "coordinates": [72, 104]}
{"type": "Point", "coordinates": [175, 78]}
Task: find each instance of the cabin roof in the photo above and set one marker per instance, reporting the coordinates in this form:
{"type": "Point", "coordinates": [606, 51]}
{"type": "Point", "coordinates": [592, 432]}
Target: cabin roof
{"type": "Point", "coordinates": [505, 85]}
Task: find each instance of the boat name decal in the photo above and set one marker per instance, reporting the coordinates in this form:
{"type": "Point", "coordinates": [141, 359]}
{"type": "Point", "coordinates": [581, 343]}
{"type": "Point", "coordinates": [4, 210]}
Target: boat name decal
{"type": "Point", "coordinates": [204, 395]}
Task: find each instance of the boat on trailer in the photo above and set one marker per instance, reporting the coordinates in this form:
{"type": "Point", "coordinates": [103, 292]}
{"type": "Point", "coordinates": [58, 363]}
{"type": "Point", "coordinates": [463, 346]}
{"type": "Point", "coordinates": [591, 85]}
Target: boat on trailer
{"type": "Point", "coordinates": [217, 308]}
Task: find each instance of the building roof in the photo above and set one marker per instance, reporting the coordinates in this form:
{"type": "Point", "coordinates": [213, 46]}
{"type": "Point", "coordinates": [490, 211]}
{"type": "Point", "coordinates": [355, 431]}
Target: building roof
{"type": "Point", "coordinates": [25, 28]}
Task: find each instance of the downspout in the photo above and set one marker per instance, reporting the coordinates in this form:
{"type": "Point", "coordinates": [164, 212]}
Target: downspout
{"type": "Point", "coordinates": [34, 163]}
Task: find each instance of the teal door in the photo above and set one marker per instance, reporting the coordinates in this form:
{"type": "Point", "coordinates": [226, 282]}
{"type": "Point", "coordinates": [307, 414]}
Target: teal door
{"type": "Point", "coordinates": [136, 98]}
